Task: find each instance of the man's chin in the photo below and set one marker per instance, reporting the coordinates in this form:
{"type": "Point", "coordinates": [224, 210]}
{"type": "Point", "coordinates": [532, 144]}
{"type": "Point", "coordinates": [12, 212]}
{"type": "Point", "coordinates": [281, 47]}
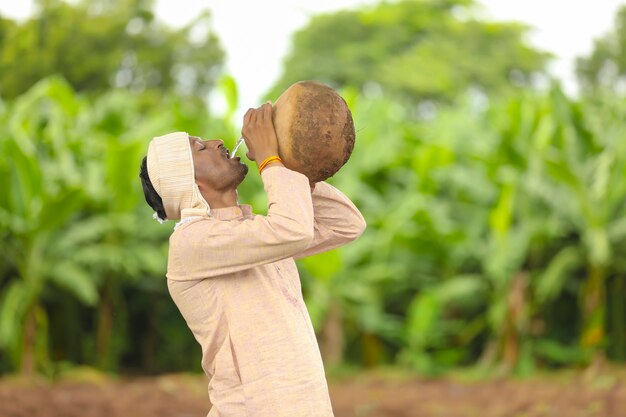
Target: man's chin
{"type": "Point", "coordinates": [243, 173]}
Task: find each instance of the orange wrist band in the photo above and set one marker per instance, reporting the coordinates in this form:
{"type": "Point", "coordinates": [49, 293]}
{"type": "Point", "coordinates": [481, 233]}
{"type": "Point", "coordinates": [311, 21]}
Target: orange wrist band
{"type": "Point", "coordinates": [269, 160]}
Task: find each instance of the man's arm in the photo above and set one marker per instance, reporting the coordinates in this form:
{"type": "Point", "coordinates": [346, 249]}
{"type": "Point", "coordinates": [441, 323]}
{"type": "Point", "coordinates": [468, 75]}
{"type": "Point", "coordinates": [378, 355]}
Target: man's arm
{"type": "Point", "coordinates": [337, 221]}
{"type": "Point", "coordinates": [210, 248]}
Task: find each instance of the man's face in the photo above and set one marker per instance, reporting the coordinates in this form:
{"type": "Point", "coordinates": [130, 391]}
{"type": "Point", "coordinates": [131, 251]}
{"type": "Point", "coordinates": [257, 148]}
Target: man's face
{"type": "Point", "coordinates": [213, 168]}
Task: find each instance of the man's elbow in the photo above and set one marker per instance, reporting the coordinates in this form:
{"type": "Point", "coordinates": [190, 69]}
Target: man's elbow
{"type": "Point", "coordinates": [356, 229]}
{"type": "Point", "coordinates": [360, 227]}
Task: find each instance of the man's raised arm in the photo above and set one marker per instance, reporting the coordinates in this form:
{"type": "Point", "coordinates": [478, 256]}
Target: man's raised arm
{"type": "Point", "coordinates": [337, 221]}
{"type": "Point", "coordinates": [213, 247]}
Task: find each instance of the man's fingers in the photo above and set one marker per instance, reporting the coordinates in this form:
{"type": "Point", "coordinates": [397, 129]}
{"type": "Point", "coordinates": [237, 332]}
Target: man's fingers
{"type": "Point", "coordinates": [267, 110]}
{"type": "Point", "coordinates": [254, 117]}
{"type": "Point", "coordinates": [255, 129]}
{"type": "Point", "coordinates": [263, 113]}
{"type": "Point", "coordinates": [247, 117]}
{"type": "Point", "coordinates": [259, 114]}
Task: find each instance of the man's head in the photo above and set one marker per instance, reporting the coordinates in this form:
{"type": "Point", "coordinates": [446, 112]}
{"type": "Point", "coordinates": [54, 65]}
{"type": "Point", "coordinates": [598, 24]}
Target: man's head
{"type": "Point", "coordinates": [214, 170]}
{"type": "Point", "coordinates": [184, 172]}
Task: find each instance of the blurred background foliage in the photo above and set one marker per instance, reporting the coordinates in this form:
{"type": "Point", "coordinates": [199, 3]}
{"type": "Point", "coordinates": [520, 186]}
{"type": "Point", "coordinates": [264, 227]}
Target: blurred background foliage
{"type": "Point", "coordinates": [415, 50]}
{"type": "Point", "coordinates": [495, 203]}
{"type": "Point", "coordinates": [134, 50]}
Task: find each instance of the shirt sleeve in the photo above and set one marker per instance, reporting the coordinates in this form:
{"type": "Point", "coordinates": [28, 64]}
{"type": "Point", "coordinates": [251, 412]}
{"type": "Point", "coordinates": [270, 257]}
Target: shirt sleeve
{"type": "Point", "coordinates": [211, 247]}
{"type": "Point", "coordinates": [337, 221]}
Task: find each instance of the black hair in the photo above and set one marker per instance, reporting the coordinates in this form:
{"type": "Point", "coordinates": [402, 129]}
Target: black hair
{"type": "Point", "coordinates": [152, 197]}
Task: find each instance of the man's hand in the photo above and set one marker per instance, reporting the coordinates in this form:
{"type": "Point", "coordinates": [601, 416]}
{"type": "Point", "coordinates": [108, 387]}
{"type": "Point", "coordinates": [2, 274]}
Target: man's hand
{"type": "Point", "coordinates": [259, 134]}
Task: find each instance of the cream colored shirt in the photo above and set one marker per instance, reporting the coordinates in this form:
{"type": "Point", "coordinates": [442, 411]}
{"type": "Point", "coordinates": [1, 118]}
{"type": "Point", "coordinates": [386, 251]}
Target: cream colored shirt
{"type": "Point", "coordinates": [233, 277]}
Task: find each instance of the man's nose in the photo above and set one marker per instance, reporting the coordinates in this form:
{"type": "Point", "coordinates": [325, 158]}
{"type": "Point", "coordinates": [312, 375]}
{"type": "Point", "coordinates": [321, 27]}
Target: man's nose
{"type": "Point", "coordinates": [217, 142]}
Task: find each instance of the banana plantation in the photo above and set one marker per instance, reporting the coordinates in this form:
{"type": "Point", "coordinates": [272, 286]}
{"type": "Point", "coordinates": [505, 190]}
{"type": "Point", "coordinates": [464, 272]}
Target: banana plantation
{"type": "Point", "coordinates": [496, 234]}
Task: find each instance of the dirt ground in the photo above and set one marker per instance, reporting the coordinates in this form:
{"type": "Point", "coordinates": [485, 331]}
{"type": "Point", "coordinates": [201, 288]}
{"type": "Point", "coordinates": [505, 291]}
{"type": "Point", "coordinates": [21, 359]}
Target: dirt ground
{"type": "Point", "coordinates": [363, 395]}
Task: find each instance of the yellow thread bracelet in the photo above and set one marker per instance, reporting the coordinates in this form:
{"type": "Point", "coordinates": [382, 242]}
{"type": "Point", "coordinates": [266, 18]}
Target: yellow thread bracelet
{"type": "Point", "coordinates": [267, 161]}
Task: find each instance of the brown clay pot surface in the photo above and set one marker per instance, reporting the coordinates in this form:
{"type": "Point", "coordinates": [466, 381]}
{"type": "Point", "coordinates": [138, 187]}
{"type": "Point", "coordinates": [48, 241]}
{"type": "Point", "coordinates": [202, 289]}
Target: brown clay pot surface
{"type": "Point", "coordinates": [314, 128]}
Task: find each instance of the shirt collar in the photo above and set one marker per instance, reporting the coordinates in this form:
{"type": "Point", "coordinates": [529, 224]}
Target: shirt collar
{"type": "Point", "coordinates": [233, 212]}
{"type": "Point", "coordinates": [224, 213]}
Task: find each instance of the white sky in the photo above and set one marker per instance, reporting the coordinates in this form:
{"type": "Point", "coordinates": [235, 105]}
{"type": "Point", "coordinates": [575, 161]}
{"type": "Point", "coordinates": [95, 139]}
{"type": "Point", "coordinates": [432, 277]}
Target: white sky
{"type": "Point", "coordinates": [256, 34]}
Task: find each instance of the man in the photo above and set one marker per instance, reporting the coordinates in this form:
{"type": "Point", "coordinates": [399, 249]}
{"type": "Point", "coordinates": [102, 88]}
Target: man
{"type": "Point", "coordinates": [232, 273]}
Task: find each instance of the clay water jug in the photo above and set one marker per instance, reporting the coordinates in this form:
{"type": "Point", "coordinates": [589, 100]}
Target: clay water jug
{"type": "Point", "coordinates": [314, 128]}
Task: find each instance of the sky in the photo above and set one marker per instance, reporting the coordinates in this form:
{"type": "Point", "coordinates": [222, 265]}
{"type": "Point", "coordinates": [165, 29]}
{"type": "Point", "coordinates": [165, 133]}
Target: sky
{"type": "Point", "coordinates": [256, 34]}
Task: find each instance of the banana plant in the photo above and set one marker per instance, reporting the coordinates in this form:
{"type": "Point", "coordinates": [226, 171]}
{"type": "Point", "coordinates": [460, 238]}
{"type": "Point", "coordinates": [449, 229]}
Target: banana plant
{"type": "Point", "coordinates": [588, 192]}
{"type": "Point", "coordinates": [70, 215]}
{"type": "Point", "coordinates": [43, 194]}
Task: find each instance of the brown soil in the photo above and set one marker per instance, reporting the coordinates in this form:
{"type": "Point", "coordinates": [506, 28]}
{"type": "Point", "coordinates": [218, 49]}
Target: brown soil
{"type": "Point", "coordinates": [371, 395]}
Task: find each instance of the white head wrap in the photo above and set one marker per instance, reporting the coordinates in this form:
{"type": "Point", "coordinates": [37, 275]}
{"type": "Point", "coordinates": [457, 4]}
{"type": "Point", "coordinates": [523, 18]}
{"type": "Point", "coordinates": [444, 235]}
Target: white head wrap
{"type": "Point", "coordinates": [170, 168]}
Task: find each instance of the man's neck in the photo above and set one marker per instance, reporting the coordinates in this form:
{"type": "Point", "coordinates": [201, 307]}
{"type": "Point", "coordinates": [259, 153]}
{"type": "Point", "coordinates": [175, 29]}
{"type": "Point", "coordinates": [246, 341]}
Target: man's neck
{"type": "Point", "coordinates": [220, 200]}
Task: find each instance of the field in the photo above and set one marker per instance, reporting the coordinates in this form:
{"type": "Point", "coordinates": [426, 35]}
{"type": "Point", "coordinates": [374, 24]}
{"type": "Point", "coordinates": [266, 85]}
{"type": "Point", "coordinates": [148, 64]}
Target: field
{"type": "Point", "coordinates": [381, 394]}
{"type": "Point", "coordinates": [492, 191]}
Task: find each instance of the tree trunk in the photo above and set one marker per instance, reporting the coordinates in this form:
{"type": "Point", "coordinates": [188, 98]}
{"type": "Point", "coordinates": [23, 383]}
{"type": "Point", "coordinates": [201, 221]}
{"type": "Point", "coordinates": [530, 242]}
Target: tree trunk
{"type": "Point", "coordinates": [373, 350]}
{"type": "Point", "coordinates": [149, 340]}
{"type": "Point", "coordinates": [27, 359]}
{"type": "Point", "coordinates": [105, 328]}
{"type": "Point", "coordinates": [618, 327]}
{"type": "Point", "coordinates": [593, 311]}
{"type": "Point", "coordinates": [515, 321]}
{"type": "Point", "coordinates": [502, 351]}
{"type": "Point", "coordinates": [331, 344]}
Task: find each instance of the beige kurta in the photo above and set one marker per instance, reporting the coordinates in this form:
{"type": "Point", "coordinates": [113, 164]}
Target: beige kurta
{"type": "Point", "coordinates": [234, 279]}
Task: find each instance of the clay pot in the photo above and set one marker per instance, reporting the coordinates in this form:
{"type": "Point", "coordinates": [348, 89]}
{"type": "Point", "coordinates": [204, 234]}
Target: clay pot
{"type": "Point", "coordinates": [314, 128]}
